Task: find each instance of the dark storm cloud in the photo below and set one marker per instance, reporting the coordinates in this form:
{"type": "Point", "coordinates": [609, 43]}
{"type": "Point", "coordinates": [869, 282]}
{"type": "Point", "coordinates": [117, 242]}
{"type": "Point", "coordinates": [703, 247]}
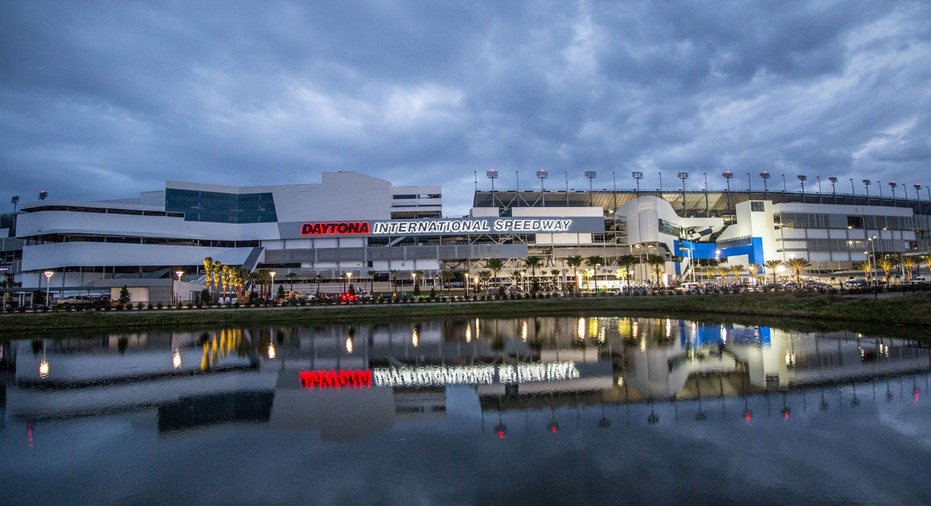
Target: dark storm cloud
{"type": "Point", "coordinates": [106, 99]}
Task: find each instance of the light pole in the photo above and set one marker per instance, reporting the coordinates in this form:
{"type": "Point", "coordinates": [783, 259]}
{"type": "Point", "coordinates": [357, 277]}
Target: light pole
{"type": "Point", "coordinates": [48, 288]}
{"type": "Point", "coordinates": [14, 201]}
{"type": "Point", "coordinates": [542, 174]}
{"type": "Point", "coordinates": [866, 184]}
{"type": "Point", "coordinates": [785, 190]}
{"type": "Point", "coordinates": [180, 299]}
{"type": "Point", "coordinates": [492, 174]}
{"type": "Point", "coordinates": [637, 175]}
{"type": "Point", "coordinates": [765, 176]}
{"type": "Point", "coordinates": [917, 188]}
{"type": "Point", "coordinates": [727, 179]}
{"type": "Point", "coordinates": [691, 264]}
{"type": "Point", "coordinates": [614, 191]}
{"type": "Point", "coordinates": [819, 189]}
{"type": "Point", "coordinates": [590, 174]}
{"type": "Point", "coordinates": [892, 185]}
{"type": "Point", "coordinates": [707, 209]}
{"type": "Point", "coordinates": [271, 294]}
{"type": "Point", "coordinates": [801, 179]}
{"type": "Point", "coordinates": [348, 280]}
{"type": "Point", "coordinates": [872, 260]}
{"type": "Point", "coordinates": [683, 176]}
{"type": "Point", "coordinates": [833, 181]}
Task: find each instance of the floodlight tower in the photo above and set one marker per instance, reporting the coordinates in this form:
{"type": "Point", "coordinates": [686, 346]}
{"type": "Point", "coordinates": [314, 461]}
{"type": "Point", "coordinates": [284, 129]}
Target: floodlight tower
{"type": "Point", "coordinates": [833, 181]}
{"type": "Point", "coordinates": [683, 176]}
{"type": "Point", "coordinates": [866, 183]}
{"type": "Point", "coordinates": [590, 174]}
{"type": "Point", "coordinates": [727, 178]}
{"type": "Point", "coordinates": [637, 175]}
{"type": "Point", "coordinates": [492, 174]}
{"type": "Point", "coordinates": [892, 185]}
{"type": "Point", "coordinates": [801, 179]}
{"type": "Point", "coordinates": [765, 175]}
{"type": "Point", "coordinates": [542, 174]}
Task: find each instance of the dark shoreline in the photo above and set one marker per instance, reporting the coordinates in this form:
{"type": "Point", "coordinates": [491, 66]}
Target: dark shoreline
{"type": "Point", "coordinates": [894, 314]}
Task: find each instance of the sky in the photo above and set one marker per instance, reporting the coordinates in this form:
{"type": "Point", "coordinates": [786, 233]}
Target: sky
{"type": "Point", "coordinates": [103, 100]}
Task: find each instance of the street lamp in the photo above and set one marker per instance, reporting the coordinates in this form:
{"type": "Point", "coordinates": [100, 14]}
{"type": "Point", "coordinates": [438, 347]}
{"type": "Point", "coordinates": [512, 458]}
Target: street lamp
{"type": "Point", "coordinates": [48, 287]}
{"type": "Point", "coordinates": [691, 264]}
{"type": "Point", "coordinates": [872, 259]}
{"type": "Point", "coordinates": [271, 295]}
{"type": "Point", "coordinates": [177, 273]}
{"type": "Point", "coordinates": [348, 280]}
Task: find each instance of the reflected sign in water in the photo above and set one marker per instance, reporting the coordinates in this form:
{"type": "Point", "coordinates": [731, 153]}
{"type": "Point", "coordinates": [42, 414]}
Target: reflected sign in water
{"type": "Point", "coordinates": [471, 411]}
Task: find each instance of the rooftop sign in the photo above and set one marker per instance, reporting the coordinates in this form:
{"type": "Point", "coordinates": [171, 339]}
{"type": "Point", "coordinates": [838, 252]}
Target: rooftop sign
{"type": "Point", "coordinates": [455, 226]}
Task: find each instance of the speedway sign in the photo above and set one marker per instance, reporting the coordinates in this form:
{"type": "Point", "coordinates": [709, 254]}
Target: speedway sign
{"type": "Point", "coordinates": [456, 226]}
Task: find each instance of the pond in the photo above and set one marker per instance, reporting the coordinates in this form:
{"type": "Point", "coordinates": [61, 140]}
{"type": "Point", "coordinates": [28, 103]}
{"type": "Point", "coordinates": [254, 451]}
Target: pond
{"type": "Point", "coordinates": [598, 410]}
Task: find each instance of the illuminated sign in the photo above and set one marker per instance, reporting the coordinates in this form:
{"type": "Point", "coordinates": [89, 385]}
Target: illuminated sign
{"type": "Point", "coordinates": [453, 226]}
{"type": "Point", "coordinates": [336, 379]}
{"type": "Point", "coordinates": [336, 228]}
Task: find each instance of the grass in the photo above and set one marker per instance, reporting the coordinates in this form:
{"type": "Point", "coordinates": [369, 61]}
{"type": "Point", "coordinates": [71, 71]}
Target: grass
{"type": "Point", "coordinates": [906, 314]}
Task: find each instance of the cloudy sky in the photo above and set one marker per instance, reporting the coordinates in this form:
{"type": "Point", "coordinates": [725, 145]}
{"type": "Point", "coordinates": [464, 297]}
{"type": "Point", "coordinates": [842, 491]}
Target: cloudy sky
{"type": "Point", "coordinates": [106, 99]}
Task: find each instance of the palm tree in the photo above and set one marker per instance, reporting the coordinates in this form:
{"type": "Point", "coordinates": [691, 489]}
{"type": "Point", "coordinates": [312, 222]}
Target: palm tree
{"type": "Point", "coordinates": [736, 270]}
{"type": "Point", "coordinates": [594, 262]}
{"type": "Point", "coordinates": [371, 282]}
{"type": "Point", "coordinates": [495, 265]}
{"type": "Point", "coordinates": [797, 265]}
{"type": "Point", "coordinates": [532, 262]}
{"type": "Point", "coordinates": [867, 269]}
{"type": "Point", "coordinates": [291, 277]}
{"type": "Point", "coordinates": [575, 261]}
{"type": "Point", "coordinates": [657, 262]}
{"type": "Point", "coordinates": [754, 270]}
{"type": "Point", "coordinates": [208, 271]}
{"type": "Point", "coordinates": [484, 276]}
{"type": "Point", "coordinates": [447, 277]}
{"type": "Point", "coordinates": [887, 263]}
{"type": "Point", "coordinates": [555, 273]}
{"type": "Point", "coordinates": [627, 262]}
{"type": "Point", "coordinates": [773, 266]}
{"type": "Point", "coordinates": [908, 263]}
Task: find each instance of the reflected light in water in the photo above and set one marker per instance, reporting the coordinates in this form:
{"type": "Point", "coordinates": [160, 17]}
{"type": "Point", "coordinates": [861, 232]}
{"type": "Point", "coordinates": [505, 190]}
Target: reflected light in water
{"type": "Point", "coordinates": [523, 331]}
{"type": "Point", "coordinates": [349, 345]}
{"type": "Point", "coordinates": [468, 333]}
{"type": "Point", "coordinates": [272, 352]}
{"type": "Point", "coordinates": [581, 329]}
{"type": "Point", "coordinates": [43, 368]}
{"type": "Point", "coordinates": [415, 337]}
{"type": "Point", "coordinates": [176, 359]}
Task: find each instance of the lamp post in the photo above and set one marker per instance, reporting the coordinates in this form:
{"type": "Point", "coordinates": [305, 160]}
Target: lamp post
{"type": "Point", "coordinates": [833, 181]}
{"type": "Point", "coordinates": [348, 280]}
{"type": "Point", "coordinates": [48, 287]}
{"type": "Point", "coordinates": [542, 174]}
{"type": "Point", "coordinates": [180, 299]}
{"type": "Point", "coordinates": [819, 189]}
{"type": "Point", "coordinates": [866, 184]}
{"type": "Point", "coordinates": [614, 191]}
{"type": "Point", "coordinates": [801, 179]}
{"type": "Point", "coordinates": [683, 176]}
{"type": "Point", "coordinates": [691, 265]}
{"type": "Point", "coordinates": [271, 295]}
{"type": "Point", "coordinates": [785, 190]}
{"type": "Point", "coordinates": [637, 175]}
{"type": "Point", "coordinates": [14, 201]}
{"type": "Point", "coordinates": [590, 174]}
{"type": "Point", "coordinates": [872, 260]}
{"type": "Point", "coordinates": [727, 175]}
{"type": "Point", "coordinates": [892, 185]}
{"type": "Point", "coordinates": [707, 209]}
{"type": "Point", "coordinates": [765, 176]}
{"type": "Point", "coordinates": [917, 188]}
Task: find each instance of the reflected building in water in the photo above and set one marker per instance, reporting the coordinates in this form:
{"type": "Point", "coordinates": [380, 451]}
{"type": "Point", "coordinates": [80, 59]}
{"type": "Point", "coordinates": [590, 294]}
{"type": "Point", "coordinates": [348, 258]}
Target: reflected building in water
{"type": "Point", "coordinates": [348, 381]}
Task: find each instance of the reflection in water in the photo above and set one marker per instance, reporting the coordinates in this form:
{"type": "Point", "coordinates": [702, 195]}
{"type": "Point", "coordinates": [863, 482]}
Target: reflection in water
{"type": "Point", "coordinates": [511, 365]}
{"type": "Point", "coordinates": [508, 378]}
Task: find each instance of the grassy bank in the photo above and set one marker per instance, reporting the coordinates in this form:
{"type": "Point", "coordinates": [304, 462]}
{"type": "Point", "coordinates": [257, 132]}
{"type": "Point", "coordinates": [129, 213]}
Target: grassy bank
{"type": "Point", "coordinates": [910, 313]}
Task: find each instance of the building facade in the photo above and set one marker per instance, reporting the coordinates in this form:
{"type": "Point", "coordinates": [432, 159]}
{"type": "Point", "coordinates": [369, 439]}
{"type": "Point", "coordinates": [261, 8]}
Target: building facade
{"type": "Point", "coordinates": [353, 227]}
